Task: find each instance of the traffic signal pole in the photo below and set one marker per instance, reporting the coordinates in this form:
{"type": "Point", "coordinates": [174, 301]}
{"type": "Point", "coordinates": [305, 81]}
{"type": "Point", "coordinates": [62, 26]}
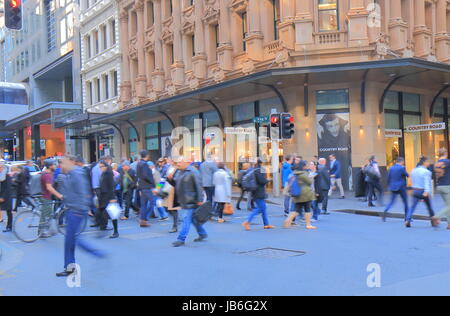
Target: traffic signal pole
{"type": "Point", "coordinates": [275, 136]}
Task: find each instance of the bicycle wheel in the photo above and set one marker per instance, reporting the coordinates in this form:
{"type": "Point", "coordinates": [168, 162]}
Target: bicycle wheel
{"type": "Point", "coordinates": [26, 226]}
{"type": "Point", "coordinates": [62, 222]}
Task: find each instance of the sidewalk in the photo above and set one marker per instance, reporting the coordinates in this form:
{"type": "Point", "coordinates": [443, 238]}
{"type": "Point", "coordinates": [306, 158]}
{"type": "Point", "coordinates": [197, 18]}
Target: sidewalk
{"type": "Point", "coordinates": [354, 205]}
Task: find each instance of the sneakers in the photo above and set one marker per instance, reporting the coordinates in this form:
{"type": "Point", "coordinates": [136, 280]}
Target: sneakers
{"type": "Point", "coordinates": [435, 222]}
{"type": "Point", "coordinates": [178, 243]}
{"type": "Point", "coordinates": [163, 219]}
{"type": "Point", "coordinates": [269, 227]}
{"type": "Point", "coordinates": [144, 224]}
{"type": "Point", "coordinates": [311, 227]}
{"type": "Point", "coordinates": [221, 221]}
{"type": "Point", "coordinates": [246, 225]}
{"type": "Point", "coordinates": [200, 238]}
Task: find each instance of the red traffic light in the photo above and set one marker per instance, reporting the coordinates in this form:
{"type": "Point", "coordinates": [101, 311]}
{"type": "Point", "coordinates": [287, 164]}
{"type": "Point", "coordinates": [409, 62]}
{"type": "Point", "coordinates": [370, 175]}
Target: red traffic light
{"type": "Point", "coordinates": [274, 120]}
{"type": "Point", "coordinates": [291, 119]}
{"type": "Point", "coordinates": [15, 3]}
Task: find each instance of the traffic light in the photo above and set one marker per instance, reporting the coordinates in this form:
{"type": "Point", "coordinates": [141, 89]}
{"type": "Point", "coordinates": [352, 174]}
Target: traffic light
{"type": "Point", "coordinates": [287, 126]}
{"type": "Point", "coordinates": [13, 14]}
{"type": "Point", "coordinates": [275, 120]}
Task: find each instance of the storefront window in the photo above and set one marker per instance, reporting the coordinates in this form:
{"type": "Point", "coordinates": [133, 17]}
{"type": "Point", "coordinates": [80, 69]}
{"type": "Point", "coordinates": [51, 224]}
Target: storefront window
{"type": "Point", "coordinates": [211, 119]}
{"type": "Point", "coordinates": [106, 143]}
{"type": "Point", "coordinates": [391, 101]}
{"type": "Point", "coordinates": [243, 112]}
{"type": "Point", "coordinates": [413, 142]}
{"type": "Point", "coordinates": [195, 150]}
{"type": "Point", "coordinates": [266, 106]}
{"type": "Point", "coordinates": [332, 100]}
{"type": "Point", "coordinates": [328, 15]}
{"type": "Point", "coordinates": [133, 142]}
{"type": "Point", "coordinates": [440, 137]}
{"type": "Point", "coordinates": [411, 102]}
{"type": "Point", "coordinates": [152, 140]}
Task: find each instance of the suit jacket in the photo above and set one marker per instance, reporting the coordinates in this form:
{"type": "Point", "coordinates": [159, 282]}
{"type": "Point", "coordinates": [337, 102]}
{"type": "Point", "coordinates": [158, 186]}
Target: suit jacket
{"type": "Point", "coordinates": [397, 178]}
{"type": "Point", "coordinates": [336, 169]}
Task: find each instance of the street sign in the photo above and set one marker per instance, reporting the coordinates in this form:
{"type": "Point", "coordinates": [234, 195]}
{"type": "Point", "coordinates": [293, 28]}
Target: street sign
{"type": "Point", "coordinates": [79, 137]}
{"type": "Point", "coordinates": [261, 119]}
{"type": "Point", "coordinates": [425, 127]}
{"type": "Point", "coordinates": [240, 130]}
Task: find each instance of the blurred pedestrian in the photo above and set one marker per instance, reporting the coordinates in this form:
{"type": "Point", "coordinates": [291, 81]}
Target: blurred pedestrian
{"type": "Point", "coordinates": [106, 196]}
{"type": "Point", "coordinates": [207, 170]}
{"type": "Point", "coordinates": [48, 192]}
{"type": "Point", "coordinates": [373, 178]}
{"type": "Point", "coordinates": [303, 202]}
{"type": "Point", "coordinates": [78, 202]}
{"type": "Point", "coordinates": [286, 171]}
{"type": "Point", "coordinates": [335, 174]}
{"type": "Point", "coordinates": [222, 182]}
{"type": "Point", "coordinates": [5, 195]}
{"type": "Point", "coordinates": [259, 196]}
{"type": "Point", "coordinates": [128, 180]}
{"type": "Point", "coordinates": [146, 185]}
{"type": "Point", "coordinates": [422, 185]}
{"type": "Point", "coordinates": [323, 185]}
{"type": "Point", "coordinates": [241, 174]}
{"type": "Point", "coordinates": [442, 171]}
{"type": "Point", "coordinates": [397, 177]}
{"type": "Point", "coordinates": [190, 196]}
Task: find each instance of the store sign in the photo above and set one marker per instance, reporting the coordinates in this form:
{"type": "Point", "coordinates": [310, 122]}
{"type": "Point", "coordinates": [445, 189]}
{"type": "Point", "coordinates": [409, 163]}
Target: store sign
{"type": "Point", "coordinates": [425, 127]}
{"type": "Point", "coordinates": [239, 131]}
{"type": "Point", "coordinates": [393, 133]}
{"type": "Point", "coordinates": [264, 140]}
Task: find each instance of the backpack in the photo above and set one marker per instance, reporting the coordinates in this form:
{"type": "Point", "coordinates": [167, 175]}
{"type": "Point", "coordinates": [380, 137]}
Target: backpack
{"type": "Point", "coordinates": [240, 176]}
{"type": "Point", "coordinates": [249, 180]}
{"type": "Point", "coordinates": [370, 171]}
{"type": "Point", "coordinates": [35, 187]}
{"type": "Point", "coordinates": [295, 190]}
{"type": "Point", "coordinates": [204, 213]}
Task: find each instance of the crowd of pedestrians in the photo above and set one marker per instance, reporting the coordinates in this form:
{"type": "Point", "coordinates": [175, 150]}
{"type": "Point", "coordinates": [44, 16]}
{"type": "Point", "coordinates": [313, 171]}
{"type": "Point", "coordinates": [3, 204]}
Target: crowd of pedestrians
{"type": "Point", "coordinates": [166, 189]}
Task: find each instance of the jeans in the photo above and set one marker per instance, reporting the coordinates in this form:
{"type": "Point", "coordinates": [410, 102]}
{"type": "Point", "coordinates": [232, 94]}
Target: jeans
{"type": "Point", "coordinates": [161, 210]}
{"type": "Point", "coordinates": [404, 197]}
{"type": "Point", "coordinates": [316, 209]}
{"type": "Point", "coordinates": [444, 190]}
{"type": "Point", "coordinates": [128, 201]}
{"type": "Point", "coordinates": [261, 208]}
{"type": "Point", "coordinates": [187, 222]}
{"type": "Point", "coordinates": [147, 200]}
{"type": "Point", "coordinates": [74, 221]}
{"type": "Point", "coordinates": [418, 196]}
{"type": "Point", "coordinates": [287, 204]}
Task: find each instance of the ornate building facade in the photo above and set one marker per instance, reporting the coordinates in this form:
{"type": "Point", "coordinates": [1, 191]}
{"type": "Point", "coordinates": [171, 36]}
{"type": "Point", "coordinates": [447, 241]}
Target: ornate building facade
{"type": "Point", "coordinates": [359, 76]}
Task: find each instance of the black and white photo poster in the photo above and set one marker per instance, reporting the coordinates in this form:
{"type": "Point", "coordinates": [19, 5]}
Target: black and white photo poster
{"type": "Point", "coordinates": [334, 137]}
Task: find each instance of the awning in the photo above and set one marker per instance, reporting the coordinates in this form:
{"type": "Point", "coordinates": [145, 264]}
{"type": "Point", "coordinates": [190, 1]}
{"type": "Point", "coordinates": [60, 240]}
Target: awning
{"type": "Point", "coordinates": [49, 113]}
{"type": "Point", "coordinates": [413, 72]}
{"type": "Point", "coordinates": [78, 121]}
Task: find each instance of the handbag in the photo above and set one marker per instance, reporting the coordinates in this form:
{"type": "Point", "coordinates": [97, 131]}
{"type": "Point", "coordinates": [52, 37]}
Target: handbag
{"type": "Point", "coordinates": [228, 210]}
{"type": "Point", "coordinates": [204, 213]}
{"type": "Point", "coordinates": [114, 210]}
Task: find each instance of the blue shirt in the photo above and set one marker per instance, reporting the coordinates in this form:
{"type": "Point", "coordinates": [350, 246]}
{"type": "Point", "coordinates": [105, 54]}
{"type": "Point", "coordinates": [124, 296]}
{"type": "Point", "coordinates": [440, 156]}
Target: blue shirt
{"type": "Point", "coordinates": [96, 175]}
{"type": "Point", "coordinates": [286, 171]}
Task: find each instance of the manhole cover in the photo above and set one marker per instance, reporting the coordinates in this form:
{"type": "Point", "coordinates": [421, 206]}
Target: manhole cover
{"type": "Point", "coordinates": [143, 236]}
{"type": "Point", "coordinates": [273, 253]}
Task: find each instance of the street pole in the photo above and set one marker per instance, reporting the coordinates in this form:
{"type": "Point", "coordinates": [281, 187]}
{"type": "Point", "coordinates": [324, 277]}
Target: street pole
{"type": "Point", "coordinates": [276, 167]}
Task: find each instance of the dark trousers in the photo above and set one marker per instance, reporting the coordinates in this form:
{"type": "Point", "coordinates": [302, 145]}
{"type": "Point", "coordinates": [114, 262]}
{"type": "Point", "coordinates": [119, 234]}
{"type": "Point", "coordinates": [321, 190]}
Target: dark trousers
{"type": "Point", "coordinates": [101, 217]}
{"type": "Point", "coordinates": [323, 199]}
{"type": "Point", "coordinates": [128, 201]}
{"type": "Point", "coordinates": [303, 207]}
{"type": "Point", "coordinates": [10, 219]}
{"type": "Point", "coordinates": [209, 193]}
{"type": "Point", "coordinates": [417, 197]}
{"type": "Point", "coordinates": [404, 197]}
{"type": "Point", "coordinates": [220, 208]}
{"type": "Point", "coordinates": [373, 187]}
{"type": "Point", "coordinates": [74, 221]}
{"type": "Point", "coordinates": [241, 197]}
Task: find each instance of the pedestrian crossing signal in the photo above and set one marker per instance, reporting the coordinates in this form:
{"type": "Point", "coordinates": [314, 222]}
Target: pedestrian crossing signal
{"type": "Point", "coordinates": [13, 14]}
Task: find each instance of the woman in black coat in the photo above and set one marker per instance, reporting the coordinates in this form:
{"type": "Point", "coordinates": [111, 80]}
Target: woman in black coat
{"type": "Point", "coordinates": [5, 196]}
{"type": "Point", "coordinates": [106, 196]}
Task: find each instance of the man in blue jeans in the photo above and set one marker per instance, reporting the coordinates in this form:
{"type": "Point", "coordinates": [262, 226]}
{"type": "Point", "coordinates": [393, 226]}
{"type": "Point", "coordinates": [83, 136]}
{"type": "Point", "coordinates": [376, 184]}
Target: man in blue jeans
{"type": "Point", "coordinates": [286, 171]}
{"type": "Point", "coordinates": [78, 200]}
{"type": "Point", "coordinates": [189, 193]}
{"type": "Point", "coordinates": [397, 185]}
{"type": "Point", "coordinates": [146, 184]}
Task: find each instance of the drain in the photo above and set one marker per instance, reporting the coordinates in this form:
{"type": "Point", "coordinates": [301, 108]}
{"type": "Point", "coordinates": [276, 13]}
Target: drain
{"type": "Point", "coordinates": [273, 253]}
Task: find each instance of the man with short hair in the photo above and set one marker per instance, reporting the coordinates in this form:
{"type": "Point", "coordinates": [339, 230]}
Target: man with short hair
{"type": "Point", "coordinates": [146, 185]}
{"type": "Point", "coordinates": [397, 185]}
{"type": "Point", "coordinates": [128, 181]}
{"type": "Point", "coordinates": [190, 196]}
{"type": "Point", "coordinates": [46, 200]}
{"type": "Point", "coordinates": [335, 174]}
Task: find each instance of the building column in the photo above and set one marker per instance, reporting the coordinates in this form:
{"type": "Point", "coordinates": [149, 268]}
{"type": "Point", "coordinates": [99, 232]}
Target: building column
{"type": "Point", "coordinates": [255, 44]}
{"type": "Point", "coordinates": [287, 26]}
{"type": "Point", "coordinates": [199, 61]}
{"type": "Point", "coordinates": [158, 74]}
{"type": "Point", "coordinates": [125, 85]}
{"type": "Point", "coordinates": [398, 29]}
{"type": "Point", "coordinates": [358, 35]}
{"type": "Point", "coordinates": [304, 27]}
{"type": "Point", "coordinates": [422, 35]}
{"type": "Point", "coordinates": [141, 80]}
{"type": "Point", "coordinates": [225, 49]}
{"type": "Point", "coordinates": [442, 38]}
{"type": "Point", "coordinates": [178, 66]}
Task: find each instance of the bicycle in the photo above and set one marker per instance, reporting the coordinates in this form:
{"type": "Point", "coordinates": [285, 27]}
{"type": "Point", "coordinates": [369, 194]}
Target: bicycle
{"type": "Point", "coordinates": [27, 224]}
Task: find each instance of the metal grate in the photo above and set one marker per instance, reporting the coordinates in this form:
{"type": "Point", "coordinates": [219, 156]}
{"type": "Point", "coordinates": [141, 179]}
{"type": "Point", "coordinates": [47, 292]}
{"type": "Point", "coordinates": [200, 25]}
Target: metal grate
{"type": "Point", "coordinates": [273, 253]}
